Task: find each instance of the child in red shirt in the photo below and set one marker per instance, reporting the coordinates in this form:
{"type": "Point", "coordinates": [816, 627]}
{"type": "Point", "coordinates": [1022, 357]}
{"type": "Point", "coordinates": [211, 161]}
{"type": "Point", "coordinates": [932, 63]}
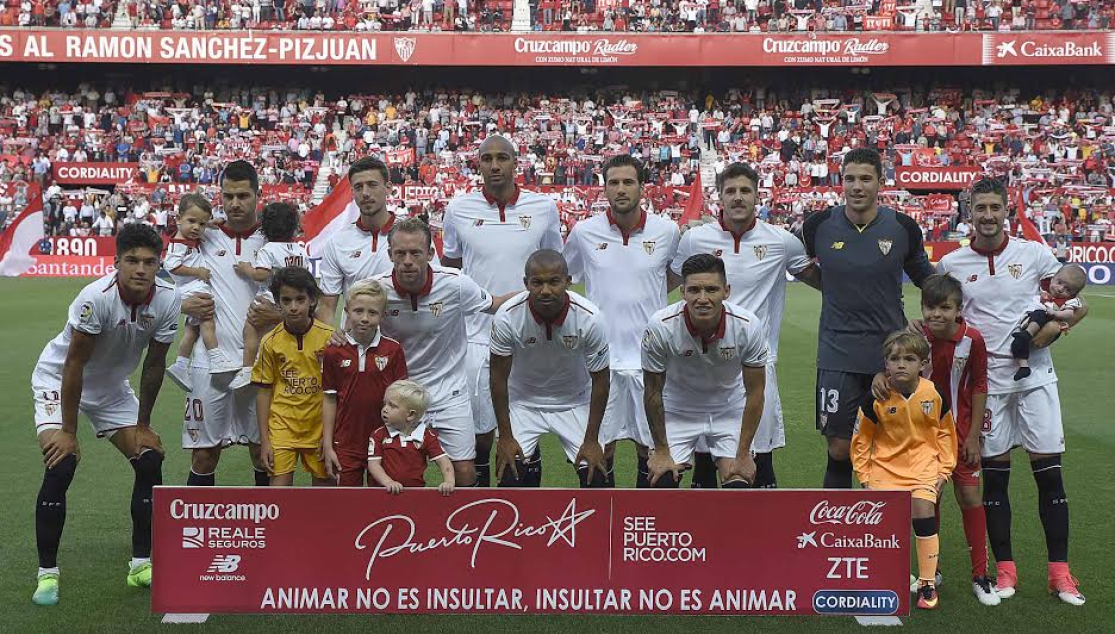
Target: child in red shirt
{"type": "Point", "coordinates": [399, 451]}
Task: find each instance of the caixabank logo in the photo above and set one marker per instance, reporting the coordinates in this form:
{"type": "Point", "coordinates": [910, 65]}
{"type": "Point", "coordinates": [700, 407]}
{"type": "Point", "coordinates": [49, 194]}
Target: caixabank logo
{"type": "Point", "coordinates": [856, 602]}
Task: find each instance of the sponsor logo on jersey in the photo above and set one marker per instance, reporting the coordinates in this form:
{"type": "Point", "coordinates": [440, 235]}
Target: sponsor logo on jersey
{"type": "Point", "coordinates": [394, 312]}
{"type": "Point", "coordinates": [648, 246]}
{"type": "Point", "coordinates": [355, 254]}
{"type": "Point", "coordinates": [525, 221]}
{"type": "Point", "coordinates": [532, 341]}
{"type": "Point", "coordinates": [687, 353]}
{"type": "Point", "coordinates": [221, 253]}
{"type": "Point", "coordinates": [381, 362]}
{"type": "Point", "coordinates": [478, 223]}
{"type": "Point", "coordinates": [435, 308]}
{"type": "Point", "coordinates": [885, 244]}
{"type": "Point", "coordinates": [836, 246]}
{"type": "Point", "coordinates": [718, 252]}
{"type": "Point", "coordinates": [602, 246]}
{"type": "Point", "coordinates": [346, 363]}
{"type": "Point", "coordinates": [760, 251]}
{"type": "Point", "coordinates": [973, 277]}
{"type": "Point", "coordinates": [1015, 270]}
{"type": "Point", "coordinates": [892, 410]}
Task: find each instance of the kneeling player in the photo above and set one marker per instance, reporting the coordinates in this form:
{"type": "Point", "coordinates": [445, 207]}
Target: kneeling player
{"type": "Point", "coordinates": [549, 373]}
{"type": "Point", "coordinates": [704, 368]}
{"type": "Point", "coordinates": [85, 369]}
{"type": "Point", "coordinates": [288, 374]}
{"type": "Point", "coordinates": [908, 441]}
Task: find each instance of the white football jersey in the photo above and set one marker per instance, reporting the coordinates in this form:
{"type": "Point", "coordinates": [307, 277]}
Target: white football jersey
{"type": "Point", "coordinates": [624, 275]}
{"type": "Point", "coordinates": [123, 332]}
{"type": "Point", "coordinates": [182, 253]}
{"type": "Point", "coordinates": [278, 255]}
{"type": "Point", "coordinates": [552, 359]}
{"type": "Point", "coordinates": [756, 263]}
{"type": "Point", "coordinates": [496, 241]}
{"type": "Point", "coordinates": [704, 375]}
{"type": "Point", "coordinates": [999, 288]}
{"type": "Point", "coordinates": [233, 293]}
{"type": "Point", "coordinates": [353, 254]}
{"type": "Point", "coordinates": [430, 325]}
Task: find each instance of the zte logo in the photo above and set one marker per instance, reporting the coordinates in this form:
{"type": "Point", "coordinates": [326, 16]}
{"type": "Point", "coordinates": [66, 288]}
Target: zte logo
{"type": "Point", "coordinates": [224, 564]}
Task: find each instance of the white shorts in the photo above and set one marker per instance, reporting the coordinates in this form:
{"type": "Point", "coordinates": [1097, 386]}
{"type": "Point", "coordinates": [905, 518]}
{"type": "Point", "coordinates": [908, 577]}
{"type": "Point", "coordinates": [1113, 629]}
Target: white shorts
{"type": "Point", "coordinates": [107, 412]}
{"type": "Point", "coordinates": [771, 433]}
{"type": "Point", "coordinates": [191, 288]}
{"type": "Point", "coordinates": [717, 433]}
{"type": "Point", "coordinates": [1030, 419]}
{"type": "Point", "coordinates": [529, 424]}
{"type": "Point", "coordinates": [626, 417]}
{"type": "Point", "coordinates": [455, 430]}
{"type": "Point", "coordinates": [217, 416]}
{"type": "Point", "coordinates": [479, 387]}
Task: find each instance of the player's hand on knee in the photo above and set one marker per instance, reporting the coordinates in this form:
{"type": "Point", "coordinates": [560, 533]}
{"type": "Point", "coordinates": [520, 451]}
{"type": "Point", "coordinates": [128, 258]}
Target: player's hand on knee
{"type": "Point", "coordinates": [60, 445]}
{"type": "Point", "coordinates": [146, 438]}
{"type": "Point", "coordinates": [394, 487]}
{"type": "Point", "coordinates": [742, 468]}
{"type": "Point", "coordinates": [199, 306]}
{"type": "Point", "coordinates": [507, 452]}
{"type": "Point", "coordinates": [659, 463]}
{"type": "Point", "coordinates": [592, 454]}
{"type": "Point", "coordinates": [880, 387]}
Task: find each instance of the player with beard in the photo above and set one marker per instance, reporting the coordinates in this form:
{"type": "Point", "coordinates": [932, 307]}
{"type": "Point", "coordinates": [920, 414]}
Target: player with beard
{"type": "Point", "coordinates": [489, 234]}
{"type": "Point", "coordinates": [358, 250]}
{"type": "Point", "coordinates": [757, 257]}
{"type": "Point", "coordinates": [624, 257]}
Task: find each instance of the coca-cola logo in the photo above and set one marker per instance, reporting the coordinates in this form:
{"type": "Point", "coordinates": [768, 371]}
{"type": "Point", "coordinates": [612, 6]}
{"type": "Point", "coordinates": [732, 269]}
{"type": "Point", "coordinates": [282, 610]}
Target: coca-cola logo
{"type": "Point", "coordinates": [862, 513]}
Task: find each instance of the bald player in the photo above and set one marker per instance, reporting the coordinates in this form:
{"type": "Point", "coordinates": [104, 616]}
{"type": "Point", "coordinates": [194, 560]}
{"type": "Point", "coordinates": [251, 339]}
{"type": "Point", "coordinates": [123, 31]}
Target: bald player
{"type": "Point", "coordinates": [489, 234]}
{"type": "Point", "coordinates": [549, 375]}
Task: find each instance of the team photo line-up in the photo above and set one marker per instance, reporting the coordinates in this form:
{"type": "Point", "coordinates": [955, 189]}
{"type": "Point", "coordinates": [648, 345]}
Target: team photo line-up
{"type": "Point", "coordinates": [445, 359]}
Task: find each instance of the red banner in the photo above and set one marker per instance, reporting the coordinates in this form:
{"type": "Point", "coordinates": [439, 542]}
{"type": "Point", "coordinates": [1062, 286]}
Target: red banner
{"type": "Point", "coordinates": [937, 178]}
{"type": "Point", "coordinates": [93, 173]}
{"type": "Point", "coordinates": [541, 551]}
{"type": "Point", "coordinates": [546, 49]}
{"type": "Point", "coordinates": [71, 266]}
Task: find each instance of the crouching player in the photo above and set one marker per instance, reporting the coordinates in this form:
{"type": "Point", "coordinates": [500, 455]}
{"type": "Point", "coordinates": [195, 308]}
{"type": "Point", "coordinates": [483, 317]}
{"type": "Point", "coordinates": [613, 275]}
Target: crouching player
{"type": "Point", "coordinates": [704, 372]}
{"type": "Point", "coordinates": [85, 369]}
{"type": "Point", "coordinates": [288, 375]}
{"type": "Point", "coordinates": [907, 441]}
{"type": "Point", "coordinates": [549, 373]}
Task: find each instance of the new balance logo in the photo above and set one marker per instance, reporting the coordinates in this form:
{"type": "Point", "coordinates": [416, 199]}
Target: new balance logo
{"type": "Point", "coordinates": [224, 563]}
{"type": "Point", "coordinates": [193, 537]}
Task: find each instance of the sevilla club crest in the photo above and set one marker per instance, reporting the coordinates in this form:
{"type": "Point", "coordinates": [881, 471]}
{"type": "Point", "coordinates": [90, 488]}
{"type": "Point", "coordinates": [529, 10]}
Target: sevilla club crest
{"type": "Point", "coordinates": [525, 221]}
{"type": "Point", "coordinates": [405, 46]}
{"type": "Point", "coordinates": [1015, 270]}
{"type": "Point", "coordinates": [435, 309]}
{"type": "Point", "coordinates": [381, 362]}
{"type": "Point", "coordinates": [727, 353]}
{"type": "Point", "coordinates": [885, 244]}
{"type": "Point", "coordinates": [570, 341]}
{"type": "Point", "coordinates": [927, 407]}
{"type": "Point", "coordinates": [648, 246]}
{"type": "Point", "coordinates": [760, 251]}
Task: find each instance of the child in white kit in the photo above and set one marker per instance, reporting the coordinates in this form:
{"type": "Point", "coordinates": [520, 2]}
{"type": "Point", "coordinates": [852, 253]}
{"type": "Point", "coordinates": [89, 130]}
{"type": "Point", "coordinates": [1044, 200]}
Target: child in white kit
{"type": "Point", "coordinates": [279, 225]}
{"type": "Point", "coordinates": [183, 262]}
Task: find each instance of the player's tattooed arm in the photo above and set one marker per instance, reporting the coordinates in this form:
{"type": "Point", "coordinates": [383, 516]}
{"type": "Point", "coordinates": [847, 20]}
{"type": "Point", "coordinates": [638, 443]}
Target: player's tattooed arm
{"type": "Point", "coordinates": [660, 460]}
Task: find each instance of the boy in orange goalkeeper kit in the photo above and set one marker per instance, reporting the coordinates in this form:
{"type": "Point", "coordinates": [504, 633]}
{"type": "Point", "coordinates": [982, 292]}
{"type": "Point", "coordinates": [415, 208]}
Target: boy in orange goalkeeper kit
{"type": "Point", "coordinates": [908, 442]}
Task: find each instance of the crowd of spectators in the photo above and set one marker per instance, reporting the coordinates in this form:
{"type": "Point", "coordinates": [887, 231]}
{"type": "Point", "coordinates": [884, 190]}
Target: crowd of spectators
{"type": "Point", "coordinates": [1058, 148]}
{"type": "Point", "coordinates": [569, 15]}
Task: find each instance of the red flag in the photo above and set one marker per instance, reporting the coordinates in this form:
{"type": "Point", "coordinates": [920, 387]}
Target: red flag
{"type": "Point", "coordinates": [333, 212]}
{"type": "Point", "coordinates": [695, 207]}
{"type": "Point", "coordinates": [1029, 230]}
{"type": "Point", "coordinates": [23, 234]}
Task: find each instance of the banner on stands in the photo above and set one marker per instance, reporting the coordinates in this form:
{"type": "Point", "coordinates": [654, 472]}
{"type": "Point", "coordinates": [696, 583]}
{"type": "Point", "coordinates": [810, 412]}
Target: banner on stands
{"type": "Point", "coordinates": [937, 178]}
{"type": "Point", "coordinates": [871, 48]}
{"type": "Point", "coordinates": [247, 550]}
{"type": "Point", "coordinates": [93, 173]}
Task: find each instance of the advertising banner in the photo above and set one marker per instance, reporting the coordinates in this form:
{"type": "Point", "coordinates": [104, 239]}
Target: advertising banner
{"type": "Point", "coordinates": [93, 173]}
{"type": "Point", "coordinates": [247, 550]}
{"type": "Point", "coordinates": [936, 178]}
{"type": "Point", "coordinates": [871, 48]}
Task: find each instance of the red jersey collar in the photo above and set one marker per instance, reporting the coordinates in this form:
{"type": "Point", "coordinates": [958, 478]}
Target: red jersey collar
{"type": "Point", "coordinates": [639, 226]}
{"type": "Point", "coordinates": [956, 336]}
{"type": "Point", "coordinates": [120, 292]}
{"type": "Point", "coordinates": [557, 321]}
{"type": "Point", "coordinates": [511, 201]}
{"type": "Point", "coordinates": [426, 288]}
{"type": "Point", "coordinates": [696, 333]}
{"type": "Point", "coordinates": [749, 227]}
{"type": "Point", "coordinates": [996, 251]}
{"type": "Point", "coordinates": [244, 235]}
{"type": "Point", "coordinates": [382, 230]}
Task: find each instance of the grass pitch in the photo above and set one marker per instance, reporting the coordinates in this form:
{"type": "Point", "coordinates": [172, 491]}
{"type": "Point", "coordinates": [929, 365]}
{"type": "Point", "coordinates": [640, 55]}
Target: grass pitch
{"type": "Point", "coordinates": [96, 547]}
